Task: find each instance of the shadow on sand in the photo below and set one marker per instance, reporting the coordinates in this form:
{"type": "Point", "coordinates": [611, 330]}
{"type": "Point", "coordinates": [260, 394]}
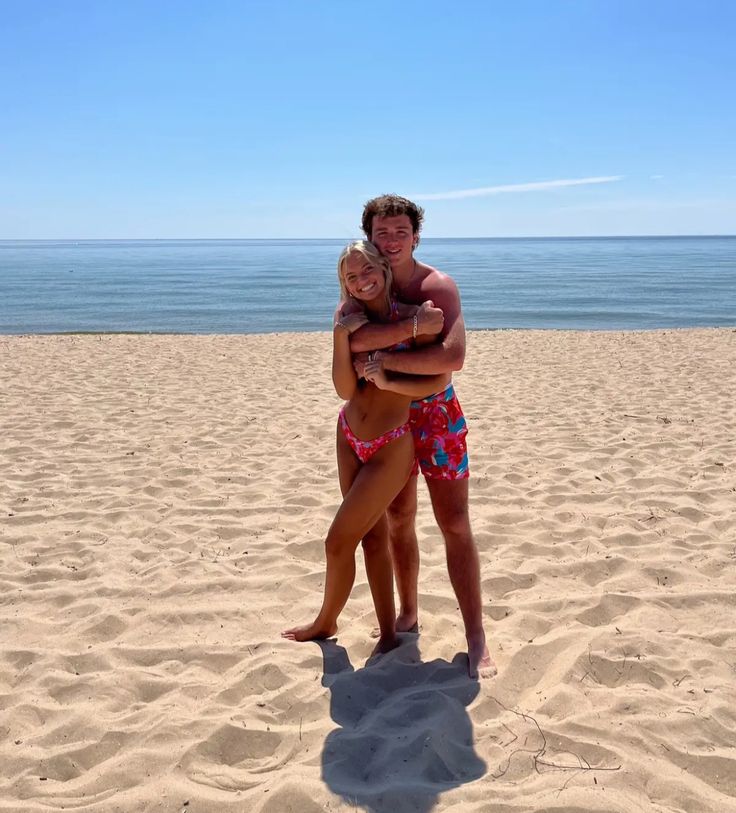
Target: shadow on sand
{"type": "Point", "coordinates": [404, 733]}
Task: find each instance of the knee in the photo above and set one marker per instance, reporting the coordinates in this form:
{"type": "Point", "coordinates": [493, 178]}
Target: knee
{"type": "Point", "coordinates": [336, 546]}
{"type": "Point", "coordinates": [401, 518]}
{"type": "Point", "coordinates": [374, 541]}
{"type": "Point", "coordinates": [455, 527]}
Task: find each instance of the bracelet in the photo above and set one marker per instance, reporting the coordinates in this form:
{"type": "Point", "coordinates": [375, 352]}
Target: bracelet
{"type": "Point", "coordinates": [416, 325]}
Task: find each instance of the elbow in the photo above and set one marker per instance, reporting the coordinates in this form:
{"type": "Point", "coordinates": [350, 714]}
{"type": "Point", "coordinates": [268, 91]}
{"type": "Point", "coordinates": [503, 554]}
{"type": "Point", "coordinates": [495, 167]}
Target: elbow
{"type": "Point", "coordinates": [344, 391]}
{"type": "Point", "coordinates": [456, 360]}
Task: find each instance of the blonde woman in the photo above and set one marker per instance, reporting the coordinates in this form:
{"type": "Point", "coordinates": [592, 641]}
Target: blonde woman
{"type": "Point", "coordinates": [375, 449]}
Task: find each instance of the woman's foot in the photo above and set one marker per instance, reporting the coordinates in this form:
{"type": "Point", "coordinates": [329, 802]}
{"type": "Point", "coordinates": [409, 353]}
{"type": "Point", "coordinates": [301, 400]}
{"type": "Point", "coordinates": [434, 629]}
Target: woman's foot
{"type": "Point", "coordinates": [312, 632]}
{"type": "Point", "coordinates": [407, 623]}
{"type": "Point", "coordinates": [401, 626]}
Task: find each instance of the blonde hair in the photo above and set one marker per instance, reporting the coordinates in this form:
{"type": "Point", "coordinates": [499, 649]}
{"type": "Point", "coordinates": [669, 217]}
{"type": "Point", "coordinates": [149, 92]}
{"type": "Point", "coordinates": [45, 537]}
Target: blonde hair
{"type": "Point", "coordinates": [370, 253]}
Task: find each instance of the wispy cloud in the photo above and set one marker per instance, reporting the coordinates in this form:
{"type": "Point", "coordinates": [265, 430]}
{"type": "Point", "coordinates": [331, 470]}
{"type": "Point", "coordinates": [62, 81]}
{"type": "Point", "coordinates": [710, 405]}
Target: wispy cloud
{"type": "Point", "coordinates": [536, 186]}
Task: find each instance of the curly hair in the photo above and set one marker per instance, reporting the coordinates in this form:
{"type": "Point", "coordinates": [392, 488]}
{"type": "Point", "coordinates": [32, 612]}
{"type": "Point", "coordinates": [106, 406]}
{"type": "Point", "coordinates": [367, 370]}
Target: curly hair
{"type": "Point", "coordinates": [391, 206]}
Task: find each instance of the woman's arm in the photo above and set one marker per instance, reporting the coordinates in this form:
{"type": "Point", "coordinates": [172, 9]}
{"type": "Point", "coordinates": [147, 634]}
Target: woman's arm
{"type": "Point", "coordinates": [343, 374]}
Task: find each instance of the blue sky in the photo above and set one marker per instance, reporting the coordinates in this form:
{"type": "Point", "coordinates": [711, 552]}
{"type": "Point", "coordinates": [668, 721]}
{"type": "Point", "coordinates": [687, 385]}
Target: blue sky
{"type": "Point", "coordinates": [279, 119]}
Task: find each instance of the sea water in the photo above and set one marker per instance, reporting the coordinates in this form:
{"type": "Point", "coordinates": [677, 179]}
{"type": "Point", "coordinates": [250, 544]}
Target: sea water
{"type": "Point", "coordinates": [265, 286]}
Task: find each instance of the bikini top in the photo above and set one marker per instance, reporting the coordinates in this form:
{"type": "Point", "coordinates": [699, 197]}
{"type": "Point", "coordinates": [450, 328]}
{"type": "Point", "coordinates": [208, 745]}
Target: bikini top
{"type": "Point", "coordinates": [406, 344]}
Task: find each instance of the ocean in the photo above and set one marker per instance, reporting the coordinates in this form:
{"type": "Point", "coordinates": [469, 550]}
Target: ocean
{"type": "Point", "coordinates": [267, 286]}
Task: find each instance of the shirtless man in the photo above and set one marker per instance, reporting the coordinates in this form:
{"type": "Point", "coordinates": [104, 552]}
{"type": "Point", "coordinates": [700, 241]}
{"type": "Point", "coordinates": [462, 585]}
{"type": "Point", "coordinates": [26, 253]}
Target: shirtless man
{"type": "Point", "coordinates": [393, 224]}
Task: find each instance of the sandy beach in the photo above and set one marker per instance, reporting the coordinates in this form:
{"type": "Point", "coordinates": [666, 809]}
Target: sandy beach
{"type": "Point", "coordinates": [163, 504]}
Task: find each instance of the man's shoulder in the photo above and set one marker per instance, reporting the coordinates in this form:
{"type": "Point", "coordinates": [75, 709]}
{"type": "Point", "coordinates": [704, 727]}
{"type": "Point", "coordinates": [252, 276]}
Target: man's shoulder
{"type": "Point", "coordinates": [434, 279]}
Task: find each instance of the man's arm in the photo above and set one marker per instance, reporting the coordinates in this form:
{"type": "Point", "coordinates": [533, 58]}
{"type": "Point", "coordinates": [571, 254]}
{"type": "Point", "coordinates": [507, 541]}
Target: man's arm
{"type": "Point", "coordinates": [446, 355]}
{"type": "Point", "coordinates": [415, 386]}
{"type": "Point", "coordinates": [373, 336]}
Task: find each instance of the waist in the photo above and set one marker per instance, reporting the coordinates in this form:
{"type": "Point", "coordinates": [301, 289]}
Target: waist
{"type": "Point", "coordinates": [443, 395]}
{"type": "Point", "coordinates": [370, 414]}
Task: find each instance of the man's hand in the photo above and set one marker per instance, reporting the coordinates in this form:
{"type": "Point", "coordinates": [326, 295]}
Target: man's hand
{"type": "Point", "coordinates": [430, 320]}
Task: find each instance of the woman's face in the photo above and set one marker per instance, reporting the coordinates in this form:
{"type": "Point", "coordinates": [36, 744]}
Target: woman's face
{"type": "Point", "coordinates": [363, 280]}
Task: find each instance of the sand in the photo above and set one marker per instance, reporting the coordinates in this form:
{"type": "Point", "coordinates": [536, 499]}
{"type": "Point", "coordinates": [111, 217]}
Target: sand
{"type": "Point", "coordinates": [163, 502]}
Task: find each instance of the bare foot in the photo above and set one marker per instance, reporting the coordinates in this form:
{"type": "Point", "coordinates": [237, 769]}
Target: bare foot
{"type": "Point", "coordinates": [385, 644]}
{"type": "Point", "coordinates": [407, 623]}
{"type": "Point", "coordinates": [401, 626]}
{"type": "Point", "coordinates": [312, 632]}
{"type": "Point", "coordinates": [479, 658]}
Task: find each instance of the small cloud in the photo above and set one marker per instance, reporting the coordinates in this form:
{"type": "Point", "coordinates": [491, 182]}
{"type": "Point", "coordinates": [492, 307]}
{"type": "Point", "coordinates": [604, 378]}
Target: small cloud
{"type": "Point", "coordinates": [656, 177]}
{"type": "Point", "coordinates": [516, 187]}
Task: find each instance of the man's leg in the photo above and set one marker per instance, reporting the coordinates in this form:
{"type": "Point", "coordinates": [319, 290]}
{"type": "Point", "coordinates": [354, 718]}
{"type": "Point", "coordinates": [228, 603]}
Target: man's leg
{"type": "Point", "coordinates": [379, 569]}
{"type": "Point", "coordinates": [405, 554]}
{"type": "Point", "coordinates": [450, 505]}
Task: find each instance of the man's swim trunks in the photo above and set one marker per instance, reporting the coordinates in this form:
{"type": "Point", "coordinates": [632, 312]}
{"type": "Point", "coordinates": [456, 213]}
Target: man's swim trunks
{"type": "Point", "coordinates": [365, 449]}
{"type": "Point", "coordinates": [439, 430]}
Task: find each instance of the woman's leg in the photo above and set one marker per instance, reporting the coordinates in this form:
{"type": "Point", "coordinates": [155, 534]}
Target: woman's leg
{"type": "Point", "coordinates": [368, 489]}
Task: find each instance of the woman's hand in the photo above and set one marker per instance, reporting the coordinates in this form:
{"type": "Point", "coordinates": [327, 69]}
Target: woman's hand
{"type": "Point", "coordinates": [352, 321]}
{"type": "Point", "coordinates": [373, 371]}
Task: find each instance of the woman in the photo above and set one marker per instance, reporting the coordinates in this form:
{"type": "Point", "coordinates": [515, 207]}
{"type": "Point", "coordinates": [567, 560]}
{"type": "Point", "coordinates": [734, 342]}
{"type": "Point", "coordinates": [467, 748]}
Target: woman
{"type": "Point", "coordinates": [375, 450]}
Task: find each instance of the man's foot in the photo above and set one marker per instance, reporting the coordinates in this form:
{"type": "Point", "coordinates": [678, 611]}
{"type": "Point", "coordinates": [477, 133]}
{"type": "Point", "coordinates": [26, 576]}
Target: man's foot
{"type": "Point", "coordinates": [312, 632]}
{"type": "Point", "coordinates": [385, 644]}
{"type": "Point", "coordinates": [479, 658]}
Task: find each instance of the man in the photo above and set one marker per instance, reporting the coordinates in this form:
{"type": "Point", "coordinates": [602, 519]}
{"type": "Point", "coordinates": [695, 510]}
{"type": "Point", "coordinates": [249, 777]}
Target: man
{"type": "Point", "coordinates": [392, 224]}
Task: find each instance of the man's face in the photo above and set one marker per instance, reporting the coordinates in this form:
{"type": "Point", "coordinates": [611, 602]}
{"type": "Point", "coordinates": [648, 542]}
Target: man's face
{"type": "Point", "coordinates": [393, 237]}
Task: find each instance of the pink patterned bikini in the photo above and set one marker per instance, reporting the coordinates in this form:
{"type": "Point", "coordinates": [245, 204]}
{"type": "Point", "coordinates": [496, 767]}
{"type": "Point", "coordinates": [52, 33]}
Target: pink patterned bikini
{"type": "Point", "coordinates": [365, 449]}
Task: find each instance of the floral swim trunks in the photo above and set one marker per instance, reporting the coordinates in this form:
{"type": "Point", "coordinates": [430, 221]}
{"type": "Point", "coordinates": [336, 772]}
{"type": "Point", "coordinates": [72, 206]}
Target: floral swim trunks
{"type": "Point", "coordinates": [439, 429]}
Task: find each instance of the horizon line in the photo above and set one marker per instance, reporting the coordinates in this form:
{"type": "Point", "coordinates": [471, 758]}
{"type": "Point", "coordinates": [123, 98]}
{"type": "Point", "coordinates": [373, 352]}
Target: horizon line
{"type": "Point", "coordinates": [314, 239]}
